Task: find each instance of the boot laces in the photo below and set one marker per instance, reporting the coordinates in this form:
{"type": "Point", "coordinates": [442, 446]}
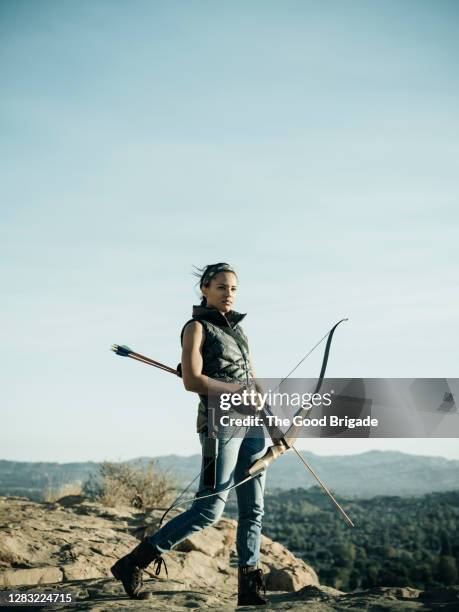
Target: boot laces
{"type": "Point", "coordinates": [158, 562]}
{"type": "Point", "coordinates": [137, 579]}
{"type": "Point", "coordinates": [260, 580]}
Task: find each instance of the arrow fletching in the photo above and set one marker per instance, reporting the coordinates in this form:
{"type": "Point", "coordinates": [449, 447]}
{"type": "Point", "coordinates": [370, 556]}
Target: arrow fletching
{"type": "Point", "coordinates": [122, 350]}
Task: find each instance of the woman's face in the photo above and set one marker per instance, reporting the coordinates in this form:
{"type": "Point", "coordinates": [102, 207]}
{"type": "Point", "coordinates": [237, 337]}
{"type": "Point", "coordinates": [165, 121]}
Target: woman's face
{"type": "Point", "coordinates": [221, 293]}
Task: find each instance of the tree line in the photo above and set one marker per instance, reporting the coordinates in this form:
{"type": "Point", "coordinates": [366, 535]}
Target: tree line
{"type": "Point", "coordinates": [397, 541]}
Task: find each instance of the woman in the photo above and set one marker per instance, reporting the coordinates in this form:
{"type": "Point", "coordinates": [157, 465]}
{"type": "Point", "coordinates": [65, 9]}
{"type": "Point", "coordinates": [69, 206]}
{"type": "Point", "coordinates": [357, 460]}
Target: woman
{"type": "Point", "coordinates": [215, 358]}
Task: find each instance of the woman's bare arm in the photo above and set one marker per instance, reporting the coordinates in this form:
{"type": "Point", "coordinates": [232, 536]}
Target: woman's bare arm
{"type": "Point", "coordinates": [193, 378]}
{"type": "Point", "coordinates": [258, 387]}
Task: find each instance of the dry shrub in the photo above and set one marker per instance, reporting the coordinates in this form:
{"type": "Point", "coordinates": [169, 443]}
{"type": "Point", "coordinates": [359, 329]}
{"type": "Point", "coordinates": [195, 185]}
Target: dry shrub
{"type": "Point", "coordinates": [123, 484]}
{"type": "Point", "coordinates": [52, 495]}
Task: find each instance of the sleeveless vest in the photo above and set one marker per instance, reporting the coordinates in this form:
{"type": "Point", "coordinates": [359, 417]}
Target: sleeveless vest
{"type": "Point", "coordinates": [225, 351]}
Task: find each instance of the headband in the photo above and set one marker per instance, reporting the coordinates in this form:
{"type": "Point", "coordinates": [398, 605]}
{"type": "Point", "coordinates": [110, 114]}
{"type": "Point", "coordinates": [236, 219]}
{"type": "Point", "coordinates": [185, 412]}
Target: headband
{"type": "Point", "coordinates": [212, 271]}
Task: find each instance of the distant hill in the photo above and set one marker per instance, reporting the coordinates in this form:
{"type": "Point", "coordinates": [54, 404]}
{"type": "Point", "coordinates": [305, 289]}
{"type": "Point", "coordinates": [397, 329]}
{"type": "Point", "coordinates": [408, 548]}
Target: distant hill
{"type": "Point", "coordinates": [30, 479]}
{"type": "Point", "coordinates": [364, 475]}
{"type": "Point", "coordinates": [368, 474]}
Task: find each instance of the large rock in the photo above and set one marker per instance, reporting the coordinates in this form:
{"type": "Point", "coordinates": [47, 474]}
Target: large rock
{"type": "Point", "coordinates": [45, 547]}
{"type": "Point", "coordinates": [35, 575]}
{"type": "Point", "coordinates": [285, 572]}
{"type": "Point", "coordinates": [46, 543]}
{"type": "Point", "coordinates": [217, 541]}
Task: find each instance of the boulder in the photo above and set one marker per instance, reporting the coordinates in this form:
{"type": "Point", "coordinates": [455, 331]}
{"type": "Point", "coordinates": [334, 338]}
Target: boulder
{"type": "Point", "coordinates": [35, 575]}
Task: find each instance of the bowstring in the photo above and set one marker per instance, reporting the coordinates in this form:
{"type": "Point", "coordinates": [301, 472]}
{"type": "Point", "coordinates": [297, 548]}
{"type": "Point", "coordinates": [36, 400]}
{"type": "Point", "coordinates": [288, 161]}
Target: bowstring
{"type": "Point", "coordinates": [185, 501]}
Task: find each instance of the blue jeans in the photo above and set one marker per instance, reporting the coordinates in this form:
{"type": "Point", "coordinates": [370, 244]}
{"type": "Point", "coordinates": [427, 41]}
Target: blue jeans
{"type": "Point", "coordinates": [235, 455]}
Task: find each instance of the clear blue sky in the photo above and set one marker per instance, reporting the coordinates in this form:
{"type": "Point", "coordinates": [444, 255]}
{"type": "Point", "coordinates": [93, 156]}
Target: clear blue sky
{"type": "Point", "coordinates": [314, 145]}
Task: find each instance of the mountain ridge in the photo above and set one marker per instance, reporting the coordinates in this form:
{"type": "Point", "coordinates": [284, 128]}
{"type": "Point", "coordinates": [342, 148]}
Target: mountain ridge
{"type": "Point", "coordinates": [361, 475]}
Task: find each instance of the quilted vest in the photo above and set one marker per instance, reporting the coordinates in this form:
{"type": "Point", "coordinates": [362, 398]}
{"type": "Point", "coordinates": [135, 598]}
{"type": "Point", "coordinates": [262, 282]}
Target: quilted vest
{"type": "Point", "coordinates": [225, 350]}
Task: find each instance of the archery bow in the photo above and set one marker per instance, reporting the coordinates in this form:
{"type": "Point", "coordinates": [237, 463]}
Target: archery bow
{"type": "Point", "coordinates": [286, 441]}
{"type": "Point", "coordinates": [281, 445]}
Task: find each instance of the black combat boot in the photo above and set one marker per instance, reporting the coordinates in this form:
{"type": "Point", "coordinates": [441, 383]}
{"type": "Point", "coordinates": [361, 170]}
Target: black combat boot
{"type": "Point", "coordinates": [251, 583]}
{"type": "Point", "coordinates": [129, 569]}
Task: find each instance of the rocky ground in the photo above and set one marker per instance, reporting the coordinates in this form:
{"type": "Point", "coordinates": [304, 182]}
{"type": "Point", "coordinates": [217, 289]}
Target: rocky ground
{"type": "Point", "coordinates": [69, 546]}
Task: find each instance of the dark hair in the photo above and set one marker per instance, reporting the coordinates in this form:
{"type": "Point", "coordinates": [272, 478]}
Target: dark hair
{"type": "Point", "coordinates": [207, 273]}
